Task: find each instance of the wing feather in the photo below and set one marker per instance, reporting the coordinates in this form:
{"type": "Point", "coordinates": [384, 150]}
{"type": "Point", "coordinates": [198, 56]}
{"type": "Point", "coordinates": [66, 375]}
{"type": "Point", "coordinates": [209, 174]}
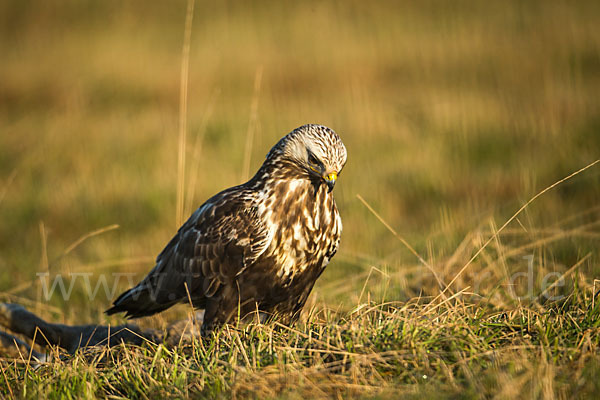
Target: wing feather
{"type": "Point", "coordinates": [219, 241]}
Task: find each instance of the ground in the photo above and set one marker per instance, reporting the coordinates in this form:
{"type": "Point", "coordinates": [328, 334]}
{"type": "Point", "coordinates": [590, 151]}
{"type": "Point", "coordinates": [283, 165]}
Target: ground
{"type": "Point", "coordinates": [454, 115]}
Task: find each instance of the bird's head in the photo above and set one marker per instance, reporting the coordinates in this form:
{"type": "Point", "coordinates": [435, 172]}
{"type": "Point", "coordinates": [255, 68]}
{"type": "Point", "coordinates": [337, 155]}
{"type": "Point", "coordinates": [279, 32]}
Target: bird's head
{"type": "Point", "coordinates": [313, 150]}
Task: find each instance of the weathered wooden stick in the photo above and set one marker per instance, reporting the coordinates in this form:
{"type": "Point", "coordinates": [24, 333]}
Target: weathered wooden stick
{"type": "Point", "coordinates": [18, 320]}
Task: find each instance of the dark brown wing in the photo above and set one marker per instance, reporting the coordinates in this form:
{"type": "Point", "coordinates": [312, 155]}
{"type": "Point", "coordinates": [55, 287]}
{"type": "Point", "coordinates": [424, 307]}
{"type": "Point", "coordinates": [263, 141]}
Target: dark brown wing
{"type": "Point", "coordinates": [219, 241]}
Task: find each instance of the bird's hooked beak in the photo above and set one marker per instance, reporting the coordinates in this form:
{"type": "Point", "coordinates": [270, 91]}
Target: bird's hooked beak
{"type": "Point", "coordinates": [330, 179]}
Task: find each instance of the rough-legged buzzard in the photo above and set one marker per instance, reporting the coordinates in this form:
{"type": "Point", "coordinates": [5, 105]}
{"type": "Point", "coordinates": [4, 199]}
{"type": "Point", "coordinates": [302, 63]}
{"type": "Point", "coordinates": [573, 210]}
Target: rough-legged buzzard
{"type": "Point", "coordinates": [259, 246]}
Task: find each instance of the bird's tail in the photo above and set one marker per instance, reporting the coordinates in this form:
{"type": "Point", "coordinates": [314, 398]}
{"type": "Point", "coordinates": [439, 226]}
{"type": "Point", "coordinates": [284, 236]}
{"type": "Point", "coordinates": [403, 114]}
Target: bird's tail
{"type": "Point", "coordinates": [141, 301]}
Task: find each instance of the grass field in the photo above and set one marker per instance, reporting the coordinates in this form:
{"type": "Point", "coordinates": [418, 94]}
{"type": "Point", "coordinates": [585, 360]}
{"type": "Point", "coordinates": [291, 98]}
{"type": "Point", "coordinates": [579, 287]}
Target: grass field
{"type": "Point", "coordinates": [454, 114]}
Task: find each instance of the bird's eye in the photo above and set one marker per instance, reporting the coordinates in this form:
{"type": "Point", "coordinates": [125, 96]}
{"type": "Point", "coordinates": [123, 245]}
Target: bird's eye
{"type": "Point", "coordinates": [312, 159]}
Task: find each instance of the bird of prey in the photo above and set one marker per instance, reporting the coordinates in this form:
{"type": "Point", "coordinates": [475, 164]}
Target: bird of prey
{"type": "Point", "coordinates": [256, 247]}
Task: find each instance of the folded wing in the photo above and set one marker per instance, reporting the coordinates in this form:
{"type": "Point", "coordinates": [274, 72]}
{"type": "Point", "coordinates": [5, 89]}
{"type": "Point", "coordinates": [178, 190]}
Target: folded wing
{"type": "Point", "coordinates": [219, 241]}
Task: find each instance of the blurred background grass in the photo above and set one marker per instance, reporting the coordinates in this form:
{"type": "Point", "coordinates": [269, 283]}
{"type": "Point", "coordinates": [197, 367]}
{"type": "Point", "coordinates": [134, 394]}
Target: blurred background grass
{"type": "Point", "coordinates": [454, 114]}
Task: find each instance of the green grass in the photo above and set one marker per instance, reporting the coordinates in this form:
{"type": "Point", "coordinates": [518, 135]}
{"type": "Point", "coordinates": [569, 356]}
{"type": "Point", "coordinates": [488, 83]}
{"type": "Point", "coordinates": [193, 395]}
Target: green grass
{"type": "Point", "coordinates": [454, 115]}
{"type": "Point", "coordinates": [408, 349]}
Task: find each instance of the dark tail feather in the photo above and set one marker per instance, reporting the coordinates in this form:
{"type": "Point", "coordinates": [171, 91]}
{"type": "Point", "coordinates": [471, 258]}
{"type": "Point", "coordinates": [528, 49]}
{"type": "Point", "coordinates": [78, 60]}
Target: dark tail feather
{"type": "Point", "coordinates": [139, 302]}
